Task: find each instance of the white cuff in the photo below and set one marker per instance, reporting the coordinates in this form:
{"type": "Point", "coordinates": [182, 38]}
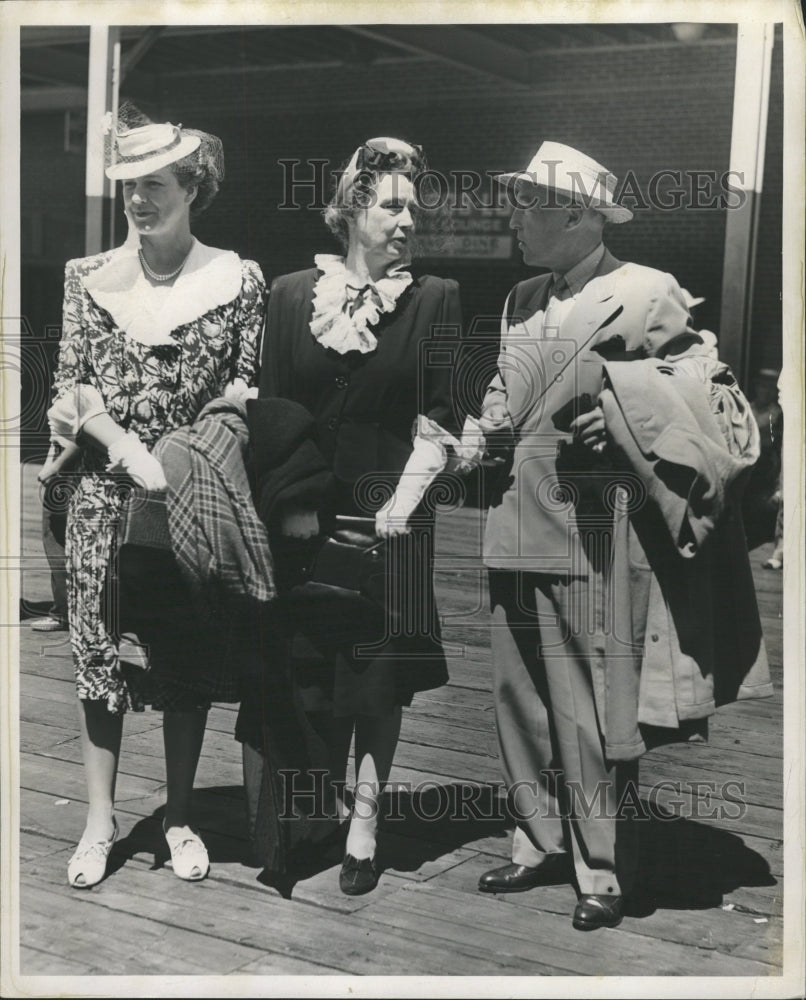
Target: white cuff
{"type": "Point", "coordinates": [429, 430]}
{"type": "Point", "coordinates": [71, 411]}
{"type": "Point", "coordinates": [427, 460]}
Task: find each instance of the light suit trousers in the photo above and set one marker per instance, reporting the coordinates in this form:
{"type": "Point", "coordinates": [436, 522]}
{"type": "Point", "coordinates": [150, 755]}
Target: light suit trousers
{"type": "Point", "coordinates": [565, 794]}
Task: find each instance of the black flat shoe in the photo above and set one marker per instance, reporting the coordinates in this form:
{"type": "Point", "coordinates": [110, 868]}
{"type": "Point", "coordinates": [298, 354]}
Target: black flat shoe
{"type": "Point", "coordinates": [357, 877]}
{"type": "Point", "coordinates": [595, 911]}
{"type": "Point", "coordinates": [555, 870]}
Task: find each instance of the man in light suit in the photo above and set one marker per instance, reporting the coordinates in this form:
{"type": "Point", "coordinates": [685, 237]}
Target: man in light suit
{"type": "Point", "coordinates": [547, 533]}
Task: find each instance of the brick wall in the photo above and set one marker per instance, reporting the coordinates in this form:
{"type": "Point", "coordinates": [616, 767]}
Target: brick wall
{"type": "Point", "coordinates": [640, 110]}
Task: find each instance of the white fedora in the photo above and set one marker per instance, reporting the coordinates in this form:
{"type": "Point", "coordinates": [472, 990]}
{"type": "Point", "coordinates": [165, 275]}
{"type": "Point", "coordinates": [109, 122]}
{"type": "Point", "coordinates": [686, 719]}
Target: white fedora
{"type": "Point", "coordinates": [563, 168]}
{"type": "Point", "coordinates": [143, 150]}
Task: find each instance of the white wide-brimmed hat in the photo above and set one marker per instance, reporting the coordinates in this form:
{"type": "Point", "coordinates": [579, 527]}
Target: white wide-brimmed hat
{"type": "Point", "coordinates": [143, 150]}
{"type": "Point", "coordinates": [562, 168]}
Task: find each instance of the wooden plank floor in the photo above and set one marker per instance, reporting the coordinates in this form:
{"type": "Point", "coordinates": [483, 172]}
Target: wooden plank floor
{"type": "Point", "coordinates": [712, 880]}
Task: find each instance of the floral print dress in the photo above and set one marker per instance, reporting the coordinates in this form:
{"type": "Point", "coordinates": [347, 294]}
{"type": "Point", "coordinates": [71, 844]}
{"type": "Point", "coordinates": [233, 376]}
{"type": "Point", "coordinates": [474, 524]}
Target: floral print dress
{"type": "Point", "coordinates": [152, 358]}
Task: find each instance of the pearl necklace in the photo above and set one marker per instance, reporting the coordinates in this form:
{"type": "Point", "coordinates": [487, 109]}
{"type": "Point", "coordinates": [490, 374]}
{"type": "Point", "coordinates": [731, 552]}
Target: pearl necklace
{"type": "Point", "coordinates": [161, 277]}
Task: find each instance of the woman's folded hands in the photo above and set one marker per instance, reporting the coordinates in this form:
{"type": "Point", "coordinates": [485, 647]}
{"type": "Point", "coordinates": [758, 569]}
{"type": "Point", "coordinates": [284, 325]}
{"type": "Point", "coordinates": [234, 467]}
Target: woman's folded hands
{"type": "Point", "coordinates": [128, 454]}
{"type": "Point", "coordinates": [299, 523]}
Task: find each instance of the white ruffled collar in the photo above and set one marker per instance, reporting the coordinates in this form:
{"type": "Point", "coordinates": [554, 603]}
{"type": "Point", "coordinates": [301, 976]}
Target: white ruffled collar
{"type": "Point", "coordinates": [210, 278]}
{"type": "Point", "coordinates": [331, 324]}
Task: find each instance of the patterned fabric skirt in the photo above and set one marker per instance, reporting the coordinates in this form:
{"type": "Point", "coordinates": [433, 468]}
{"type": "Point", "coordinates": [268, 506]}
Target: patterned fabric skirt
{"type": "Point", "coordinates": [191, 661]}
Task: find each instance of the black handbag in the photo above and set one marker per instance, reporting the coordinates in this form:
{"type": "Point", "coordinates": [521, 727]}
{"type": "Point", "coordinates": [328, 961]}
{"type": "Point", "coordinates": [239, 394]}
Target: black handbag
{"type": "Point", "coordinates": [335, 586]}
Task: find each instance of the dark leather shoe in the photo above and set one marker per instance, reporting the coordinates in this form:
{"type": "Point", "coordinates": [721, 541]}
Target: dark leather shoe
{"type": "Point", "coordinates": [358, 876]}
{"type": "Point", "coordinates": [555, 870]}
{"type": "Point", "coordinates": [593, 912]}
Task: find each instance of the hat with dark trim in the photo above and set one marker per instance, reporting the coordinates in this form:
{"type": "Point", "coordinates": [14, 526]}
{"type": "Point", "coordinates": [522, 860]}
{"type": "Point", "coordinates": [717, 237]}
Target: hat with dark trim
{"type": "Point", "coordinates": [144, 150]}
{"type": "Point", "coordinates": [562, 168]}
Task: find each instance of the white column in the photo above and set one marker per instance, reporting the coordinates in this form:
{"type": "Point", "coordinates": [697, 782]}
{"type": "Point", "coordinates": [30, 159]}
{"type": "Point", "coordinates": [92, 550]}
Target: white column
{"type": "Point", "coordinates": [101, 97]}
{"type": "Point", "coordinates": [748, 139]}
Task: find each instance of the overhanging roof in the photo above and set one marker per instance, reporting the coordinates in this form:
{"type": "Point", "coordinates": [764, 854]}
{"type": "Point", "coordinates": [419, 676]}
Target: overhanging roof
{"type": "Point", "coordinates": [54, 59]}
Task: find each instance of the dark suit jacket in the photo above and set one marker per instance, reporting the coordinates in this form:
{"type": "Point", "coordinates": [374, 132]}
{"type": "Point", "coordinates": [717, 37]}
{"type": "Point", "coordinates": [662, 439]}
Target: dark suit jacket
{"type": "Point", "coordinates": [364, 405]}
{"type": "Point", "coordinates": [625, 311]}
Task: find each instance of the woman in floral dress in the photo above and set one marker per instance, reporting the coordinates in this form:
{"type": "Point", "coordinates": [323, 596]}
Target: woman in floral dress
{"type": "Point", "coordinates": [152, 331]}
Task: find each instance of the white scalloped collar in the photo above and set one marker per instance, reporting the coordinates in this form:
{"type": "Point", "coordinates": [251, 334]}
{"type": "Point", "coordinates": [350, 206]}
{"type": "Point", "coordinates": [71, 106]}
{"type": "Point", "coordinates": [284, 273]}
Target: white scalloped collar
{"type": "Point", "coordinates": [210, 278]}
{"type": "Point", "coordinates": [331, 324]}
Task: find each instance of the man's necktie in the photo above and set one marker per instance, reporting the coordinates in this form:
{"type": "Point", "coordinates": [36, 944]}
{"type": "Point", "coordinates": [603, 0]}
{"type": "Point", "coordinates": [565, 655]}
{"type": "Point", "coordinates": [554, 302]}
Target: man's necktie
{"type": "Point", "coordinates": [553, 314]}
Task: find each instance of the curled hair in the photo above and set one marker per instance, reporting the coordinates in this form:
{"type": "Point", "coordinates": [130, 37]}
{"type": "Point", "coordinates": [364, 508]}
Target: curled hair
{"type": "Point", "coordinates": [204, 168]}
{"type": "Point", "coordinates": [190, 172]}
{"type": "Point", "coordinates": [430, 210]}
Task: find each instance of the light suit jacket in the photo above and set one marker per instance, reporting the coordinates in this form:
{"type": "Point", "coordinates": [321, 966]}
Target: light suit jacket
{"type": "Point", "coordinates": [625, 311]}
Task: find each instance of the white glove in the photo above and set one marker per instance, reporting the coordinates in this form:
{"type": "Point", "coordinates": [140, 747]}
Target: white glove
{"type": "Point", "coordinates": [298, 523]}
{"type": "Point", "coordinates": [472, 446]}
{"type": "Point", "coordinates": [426, 461]}
{"type": "Point", "coordinates": [128, 454]}
{"type": "Point", "coordinates": [239, 391]}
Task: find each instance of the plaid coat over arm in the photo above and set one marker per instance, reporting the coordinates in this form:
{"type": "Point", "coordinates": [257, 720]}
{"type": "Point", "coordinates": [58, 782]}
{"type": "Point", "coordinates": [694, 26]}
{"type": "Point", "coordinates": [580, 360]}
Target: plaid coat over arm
{"type": "Point", "coordinates": [220, 544]}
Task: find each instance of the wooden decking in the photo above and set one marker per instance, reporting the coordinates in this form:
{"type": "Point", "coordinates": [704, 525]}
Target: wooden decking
{"type": "Point", "coordinates": [712, 883]}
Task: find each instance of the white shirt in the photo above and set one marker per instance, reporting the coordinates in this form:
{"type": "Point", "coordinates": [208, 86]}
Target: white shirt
{"type": "Point", "coordinates": [565, 289]}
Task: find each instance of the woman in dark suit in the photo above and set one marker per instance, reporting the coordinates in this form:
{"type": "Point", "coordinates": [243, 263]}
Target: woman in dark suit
{"type": "Point", "coordinates": [345, 340]}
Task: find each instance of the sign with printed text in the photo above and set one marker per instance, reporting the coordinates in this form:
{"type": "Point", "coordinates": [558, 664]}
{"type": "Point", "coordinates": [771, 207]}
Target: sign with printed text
{"type": "Point", "coordinates": [477, 233]}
